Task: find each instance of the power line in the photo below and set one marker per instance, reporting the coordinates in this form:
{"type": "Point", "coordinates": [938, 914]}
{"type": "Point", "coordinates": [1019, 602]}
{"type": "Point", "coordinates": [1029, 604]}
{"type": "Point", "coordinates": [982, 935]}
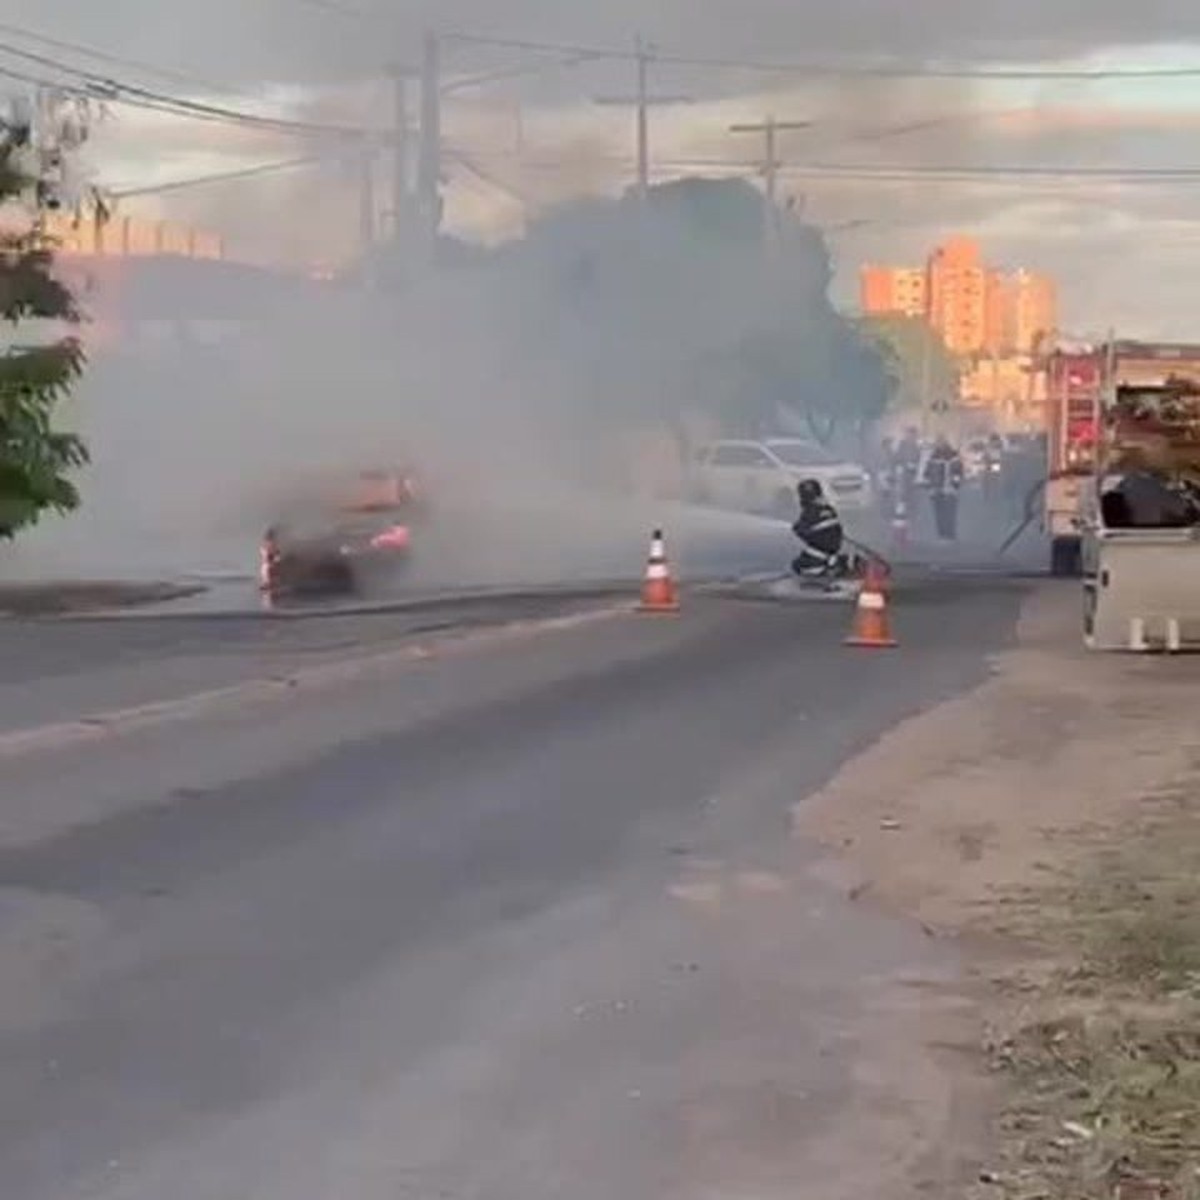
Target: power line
{"type": "Point", "coordinates": [889, 172]}
{"type": "Point", "coordinates": [834, 69]}
{"type": "Point", "coordinates": [101, 88]}
{"type": "Point", "coordinates": [29, 80]}
{"type": "Point", "coordinates": [502, 73]}
{"type": "Point", "coordinates": [133, 64]}
{"type": "Point", "coordinates": [177, 185]}
{"type": "Point", "coordinates": [489, 179]}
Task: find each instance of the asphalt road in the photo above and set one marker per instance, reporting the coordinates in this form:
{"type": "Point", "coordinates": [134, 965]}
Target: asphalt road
{"type": "Point", "coordinates": [515, 922]}
{"type": "Point", "coordinates": [65, 669]}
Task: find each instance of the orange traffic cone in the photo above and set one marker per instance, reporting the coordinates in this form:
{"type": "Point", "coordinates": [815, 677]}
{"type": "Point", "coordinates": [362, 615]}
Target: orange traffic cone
{"type": "Point", "coordinates": [870, 618]}
{"type": "Point", "coordinates": [658, 588]}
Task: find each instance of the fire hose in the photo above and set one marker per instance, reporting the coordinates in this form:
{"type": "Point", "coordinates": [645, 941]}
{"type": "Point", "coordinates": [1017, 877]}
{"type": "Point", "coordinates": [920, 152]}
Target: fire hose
{"type": "Point", "coordinates": [1031, 513]}
{"type": "Point", "coordinates": [866, 552]}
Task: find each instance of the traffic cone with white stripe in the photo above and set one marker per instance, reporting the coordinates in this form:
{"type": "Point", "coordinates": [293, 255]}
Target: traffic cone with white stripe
{"type": "Point", "coordinates": [871, 627]}
{"type": "Point", "coordinates": [658, 588]}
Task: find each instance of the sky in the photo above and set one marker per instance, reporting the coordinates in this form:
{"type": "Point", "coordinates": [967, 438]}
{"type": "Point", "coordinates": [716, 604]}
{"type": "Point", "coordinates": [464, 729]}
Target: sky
{"type": "Point", "coordinates": [1127, 253]}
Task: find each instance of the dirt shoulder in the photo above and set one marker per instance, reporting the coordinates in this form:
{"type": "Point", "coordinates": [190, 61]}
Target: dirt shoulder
{"type": "Point", "coordinates": [84, 596]}
{"type": "Point", "coordinates": [1049, 823]}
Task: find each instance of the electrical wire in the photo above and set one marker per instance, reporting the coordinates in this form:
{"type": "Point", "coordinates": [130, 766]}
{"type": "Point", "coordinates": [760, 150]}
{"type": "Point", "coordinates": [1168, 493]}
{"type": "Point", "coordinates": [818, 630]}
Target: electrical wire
{"type": "Point", "coordinates": [889, 172]}
{"type": "Point", "coordinates": [502, 73]}
{"type": "Point", "coordinates": [467, 163]}
{"type": "Point", "coordinates": [177, 185]}
{"type": "Point", "coordinates": [118, 60]}
{"type": "Point", "coordinates": [101, 88]}
{"type": "Point", "coordinates": [832, 69]}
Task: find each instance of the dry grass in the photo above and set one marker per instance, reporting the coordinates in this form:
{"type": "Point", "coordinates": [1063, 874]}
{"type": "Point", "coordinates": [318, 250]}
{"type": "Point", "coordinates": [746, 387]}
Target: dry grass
{"type": "Point", "coordinates": [1105, 1058]}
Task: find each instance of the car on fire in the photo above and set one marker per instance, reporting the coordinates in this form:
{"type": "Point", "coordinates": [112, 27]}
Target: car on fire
{"type": "Point", "coordinates": [359, 534]}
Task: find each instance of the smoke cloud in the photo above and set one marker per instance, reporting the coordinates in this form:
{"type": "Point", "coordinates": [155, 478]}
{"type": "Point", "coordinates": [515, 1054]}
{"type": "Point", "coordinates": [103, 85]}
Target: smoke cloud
{"type": "Point", "coordinates": [535, 389]}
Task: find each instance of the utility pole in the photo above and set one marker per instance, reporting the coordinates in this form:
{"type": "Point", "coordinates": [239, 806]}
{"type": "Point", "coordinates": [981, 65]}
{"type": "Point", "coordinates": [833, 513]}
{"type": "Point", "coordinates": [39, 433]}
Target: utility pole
{"type": "Point", "coordinates": [770, 130]}
{"type": "Point", "coordinates": [401, 198]}
{"type": "Point", "coordinates": [641, 101]}
{"type": "Point", "coordinates": [429, 161]}
{"type": "Point", "coordinates": [643, 121]}
{"type": "Point", "coordinates": [929, 404]}
{"type": "Point", "coordinates": [366, 200]}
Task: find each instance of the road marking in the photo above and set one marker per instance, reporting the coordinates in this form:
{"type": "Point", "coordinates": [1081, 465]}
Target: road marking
{"type": "Point", "coordinates": [115, 722]}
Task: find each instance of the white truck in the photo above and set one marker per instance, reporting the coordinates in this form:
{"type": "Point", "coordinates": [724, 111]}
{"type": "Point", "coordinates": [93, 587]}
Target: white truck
{"type": "Point", "coordinates": [1141, 560]}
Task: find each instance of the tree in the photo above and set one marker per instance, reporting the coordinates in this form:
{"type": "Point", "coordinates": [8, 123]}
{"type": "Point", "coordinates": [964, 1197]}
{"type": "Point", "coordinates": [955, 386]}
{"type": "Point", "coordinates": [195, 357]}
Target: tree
{"type": "Point", "coordinates": [681, 297]}
{"type": "Point", "coordinates": [922, 371]}
{"type": "Point", "coordinates": [36, 457]}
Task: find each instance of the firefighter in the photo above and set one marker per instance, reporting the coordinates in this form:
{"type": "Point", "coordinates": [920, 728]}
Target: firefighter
{"type": "Point", "coordinates": [820, 532]}
{"type": "Point", "coordinates": [944, 479]}
{"type": "Point", "coordinates": [993, 467]}
{"type": "Point", "coordinates": [906, 462]}
{"type": "Point", "coordinates": [886, 476]}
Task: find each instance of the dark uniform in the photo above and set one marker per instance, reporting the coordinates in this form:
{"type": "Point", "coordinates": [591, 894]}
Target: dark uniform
{"type": "Point", "coordinates": [944, 479]}
{"type": "Point", "coordinates": [820, 532]}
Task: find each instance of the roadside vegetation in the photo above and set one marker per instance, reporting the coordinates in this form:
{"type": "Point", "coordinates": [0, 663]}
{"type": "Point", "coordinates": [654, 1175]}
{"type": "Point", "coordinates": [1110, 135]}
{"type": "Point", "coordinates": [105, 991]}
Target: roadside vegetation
{"type": "Point", "coordinates": [39, 362]}
{"type": "Point", "coordinates": [1103, 1049]}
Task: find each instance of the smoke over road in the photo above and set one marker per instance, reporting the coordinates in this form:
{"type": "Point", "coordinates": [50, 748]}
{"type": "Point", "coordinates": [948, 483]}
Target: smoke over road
{"type": "Point", "coordinates": [521, 384]}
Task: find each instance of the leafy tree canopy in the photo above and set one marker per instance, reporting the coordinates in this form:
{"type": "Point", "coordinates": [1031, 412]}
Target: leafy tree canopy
{"type": "Point", "coordinates": [920, 370]}
{"type": "Point", "coordinates": [36, 457]}
{"type": "Point", "coordinates": [700, 311]}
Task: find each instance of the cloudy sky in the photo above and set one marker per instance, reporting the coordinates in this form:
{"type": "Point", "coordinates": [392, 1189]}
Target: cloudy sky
{"type": "Point", "coordinates": [1126, 249]}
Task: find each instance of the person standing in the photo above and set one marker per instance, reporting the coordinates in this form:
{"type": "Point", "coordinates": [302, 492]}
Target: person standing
{"type": "Point", "coordinates": [907, 461]}
{"type": "Point", "coordinates": [944, 479]}
{"type": "Point", "coordinates": [993, 468]}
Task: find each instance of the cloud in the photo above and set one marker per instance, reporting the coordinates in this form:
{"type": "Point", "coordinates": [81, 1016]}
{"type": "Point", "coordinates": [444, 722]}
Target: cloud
{"type": "Point", "coordinates": [231, 39]}
{"type": "Point", "coordinates": [1114, 245]}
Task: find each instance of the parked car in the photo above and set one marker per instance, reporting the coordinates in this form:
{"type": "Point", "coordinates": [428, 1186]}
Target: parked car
{"type": "Point", "coordinates": [761, 476]}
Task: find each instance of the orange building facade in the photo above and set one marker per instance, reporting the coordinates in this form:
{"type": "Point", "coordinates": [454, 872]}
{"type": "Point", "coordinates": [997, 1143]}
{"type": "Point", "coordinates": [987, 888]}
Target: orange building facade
{"type": "Point", "coordinates": [894, 290]}
{"type": "Point", "coordinates": [976, 308]}
{"type": "Point", "coordinates": [957, 296]}
{"type": "Point", "coordinates": [991, 319]}
{"type": "Point", "coordinates": [1034, 310]}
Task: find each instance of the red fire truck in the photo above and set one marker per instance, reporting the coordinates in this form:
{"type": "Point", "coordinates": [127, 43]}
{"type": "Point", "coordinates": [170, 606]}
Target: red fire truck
{"type": "Point", "coordinates": [1074, 377]}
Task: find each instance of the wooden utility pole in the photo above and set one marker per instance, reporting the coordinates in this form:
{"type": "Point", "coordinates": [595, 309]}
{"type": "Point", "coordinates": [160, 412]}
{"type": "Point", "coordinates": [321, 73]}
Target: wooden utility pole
{"type": "Point", "coordinates": [641, 102]}
{"type": "Point", "coordinates": [429, 159]}
{"type": "Point", "coordinates": [769, 129]}
{"type": "Point", "coordinates": [366, 200]}
{"type": "Point", "coordinates": [401, 198]}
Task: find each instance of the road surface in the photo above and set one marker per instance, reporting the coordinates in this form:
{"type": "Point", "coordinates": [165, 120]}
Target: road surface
{"type": "Point", "coordinates": [519, 920]}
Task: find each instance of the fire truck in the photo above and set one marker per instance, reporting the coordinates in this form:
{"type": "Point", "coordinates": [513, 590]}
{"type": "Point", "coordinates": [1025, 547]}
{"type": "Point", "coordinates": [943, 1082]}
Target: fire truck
{"type": "Point", "coordinates": [1074, 378]}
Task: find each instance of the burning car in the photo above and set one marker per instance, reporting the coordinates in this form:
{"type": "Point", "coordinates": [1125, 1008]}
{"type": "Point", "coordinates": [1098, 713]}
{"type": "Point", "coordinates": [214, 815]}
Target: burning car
{"type": "Point", "coordinates": [337, 547]}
